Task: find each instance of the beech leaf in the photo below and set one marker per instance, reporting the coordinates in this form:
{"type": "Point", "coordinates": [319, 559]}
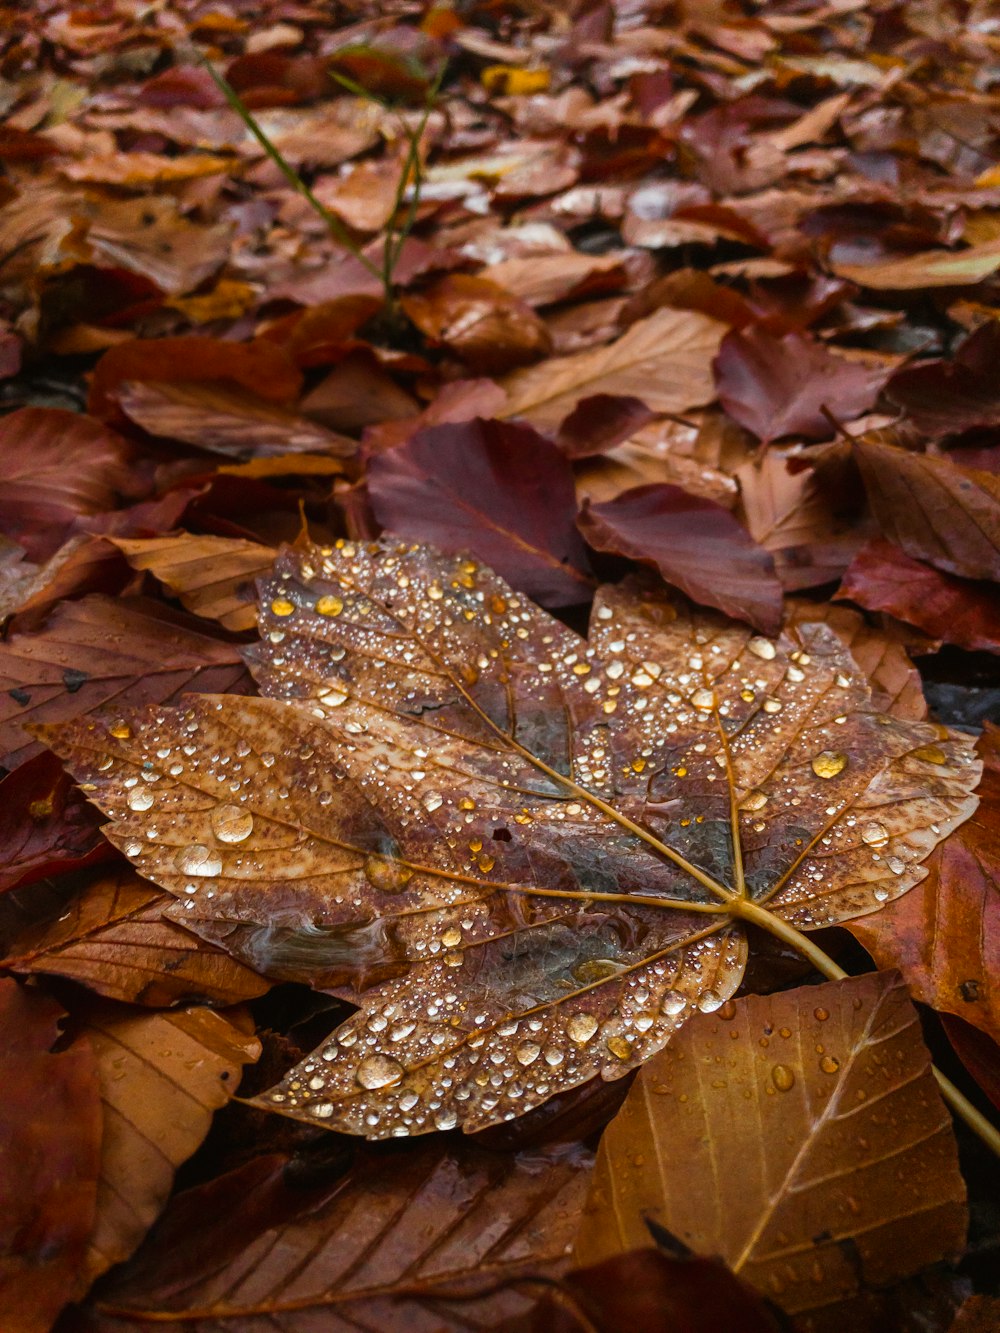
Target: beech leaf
{"type": "Point", "coordinates": [212, 576]}
{"type": "Point", "coordinates": [799, 1135]}
{"type": "Point", "coordinates": [549, 845]}
{"type": "Point", "coordinates": [695, 544]}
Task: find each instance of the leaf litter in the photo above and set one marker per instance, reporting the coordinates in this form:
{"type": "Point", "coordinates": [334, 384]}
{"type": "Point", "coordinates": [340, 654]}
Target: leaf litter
{"type": "Point", "coordinates": [704, 294]}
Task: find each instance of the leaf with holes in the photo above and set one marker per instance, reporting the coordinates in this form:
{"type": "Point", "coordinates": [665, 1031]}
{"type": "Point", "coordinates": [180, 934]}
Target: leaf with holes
{"type": "Point", "coordinates": [532, 855]}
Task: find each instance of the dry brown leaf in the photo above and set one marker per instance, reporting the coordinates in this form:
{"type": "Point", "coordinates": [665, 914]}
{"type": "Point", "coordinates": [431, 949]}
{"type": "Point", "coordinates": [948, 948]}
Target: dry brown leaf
{"type": "Point", "coordinates": [163, 1076]}
{"type": "Point", "coordinates": [212, 576]}
{"type": "Point", "coordinates": [532, 836]}
{"type": "Point", "coordinates": [665, 361]}
{"type": "Point", "coordinates": [800, 1136]}
{"type": "Point", "coordinates": [115, 940]}
{"type": "Point", "coordinates": [930, 268]}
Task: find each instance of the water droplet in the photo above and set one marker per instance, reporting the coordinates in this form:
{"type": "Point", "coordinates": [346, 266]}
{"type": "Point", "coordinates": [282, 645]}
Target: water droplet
{"type": "Point", "coordinates": [619, 1048]}
{"type": "Point", "coordinates": [581, 1027]}
{"type": "Point", "coordinates": [378, 1071]}
{"type": "Point", "coordinates": [198, 860]}
{"type": "Point", "coordinates": [322, 1110]}
{"type": "Point", "coordinates": [120, 730]}
{"type": "Point", "coordinates": [527, 1053]}
{"type": "Point", "coordinates": [709, 1001]}
{"type": "Point", "coordinates": [703, 699]}
{"type": "Point", "coordinates": [828, 763]}
{"type": "Point", "coordinates": [595, 969]}
{"type": "Point", "coordinates": [231, 823]}
{"type": "Point", "coordinates": [829, 1064]}
{"type": "Point", "coordinates": [754, 800]}
{"type": "Point", "coordinates": [433, 800]}
{"type": "Point", "coordinates": [783, 1078]}
{"type": "Point", "coordinates": [875, 835]}
{"type": "Point", "coordinates": [762, 648]}
{"type": "Point", "coordinates": [895, 864]}
{"type": "Point", "coordinates": [329, 606]}
{"type": "Point", "coordinates": [451, 937]}
{"type": "Point", "coordinates": [673, 1003]}
{"type": "Point", "coordinates": [485, 863]}
{"type": "Point", "coordinates": [281, 606]}
{"type": "Point", "coordinates": [931, 754]}
{"type": "Point", "coordinates": [445, 1119]}
{"type": "Point", "coordinates": [772, 705]}
{"type": "Point", "coordinates": [820, 1014]}
{"type": "Point", "coordinates": [386, 876]}
{"type": "Point", "coordinates": [140, 798]}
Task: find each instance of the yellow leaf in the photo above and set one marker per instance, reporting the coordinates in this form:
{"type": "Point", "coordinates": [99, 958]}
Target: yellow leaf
{"type": "Point", "coordinates": [512, 82]}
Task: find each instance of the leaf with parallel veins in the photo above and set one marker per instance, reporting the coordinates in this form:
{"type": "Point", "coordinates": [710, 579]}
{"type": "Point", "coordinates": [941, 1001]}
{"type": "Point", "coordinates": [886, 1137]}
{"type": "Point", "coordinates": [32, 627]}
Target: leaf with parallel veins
{"type": "Point", "coordinates": [533, 855]}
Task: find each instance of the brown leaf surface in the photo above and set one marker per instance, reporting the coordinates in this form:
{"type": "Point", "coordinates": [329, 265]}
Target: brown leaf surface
{"type": "Point", "coordinates": [534, 833]}
{"type": "Point", "coordinates": [934, 509]}
{"type": "Point", "coordinates": [945, 936]}
{"type": "Point", "coordinates": [213, 577]}
{"type": "Point", "coordinates": [665, 361]}
{"type": "Point", "coordinates": [929, 268]}
{"type": "Point", "coordinates": [50, 1144]}
{"type": "Point", "coordinates": [485, 326]}
{"type": "Point", "coordinates": [403, 1242]}
{"type": "Point", "coordinates": [114, 939]}
{"type": "Point", "coordinates": [99, 651]}
{"type": "Point", "coordinates": [162, 1078]}
{"type": "Point", "coordinates": [800, 1136]}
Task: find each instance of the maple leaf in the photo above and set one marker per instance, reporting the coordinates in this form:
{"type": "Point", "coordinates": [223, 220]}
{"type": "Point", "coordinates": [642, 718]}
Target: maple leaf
{"type": "Point", "coordinates": [549, 846]}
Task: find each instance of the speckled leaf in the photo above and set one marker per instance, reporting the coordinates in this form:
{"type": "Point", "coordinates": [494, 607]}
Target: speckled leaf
{"type": "Point", "coordinates": [518, 845]}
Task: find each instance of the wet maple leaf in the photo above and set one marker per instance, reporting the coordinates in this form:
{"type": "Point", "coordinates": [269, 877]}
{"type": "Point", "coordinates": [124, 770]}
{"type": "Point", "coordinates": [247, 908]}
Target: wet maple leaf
{"type": "Point", "coordinates": [543, 850]}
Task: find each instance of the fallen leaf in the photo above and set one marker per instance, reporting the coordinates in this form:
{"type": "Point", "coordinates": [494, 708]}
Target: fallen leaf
{"type": "Point", "coordinates": [979, 1314]}
{"type": "Point", "coordinates": [696, 546]}
{"type": "Point", "coordinates": [438, 1238]}
{"type": "Point", "coordinates": [948, 397]}
{"type": "Point", "coordinates": [96, 651]}
{"type": "Point", "coordinates": [54, 466]}
{"type": "Point", "coordinates": [213, 577]}
{"type": "Point", "coordinates": [485, 326]}
{"type": "Point", "coordinates": [934, 509]}
{"type": "Point", "coordinates": [496, 489]}
{"type": "Point", "coordinates": [779, 386]}
{"type": "Point", "coordinates": [664, 361]}
{"type": "Point", "coordinates": [600, 423]}
{"type": "Point", "coordinates": [786, 1161]}
{"type": "Point", "coordinates": [113, 939]}
{"type": "Point", "coordinates": [929, 268]}
{"type": "Point", "coordinates": [943, 937]}
{"type": "Point", "coordinates": [406, 798]}
{"type": "Point", "coordinates": [959, 611]}
{"type": "Point", "coordinates": [162, 1077]}
{"type": "Point", "coordinates": [50, 1144]}
{"type": "Point", "coordinates": [46, 824]}
{"type": "Point", "coordinates": [979, 1054]}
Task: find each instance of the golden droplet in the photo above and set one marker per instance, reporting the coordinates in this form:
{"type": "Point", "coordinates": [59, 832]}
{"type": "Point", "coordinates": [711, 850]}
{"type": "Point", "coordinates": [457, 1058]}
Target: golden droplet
{"type": "Point", "coordinates": [931, 754]}
{"type": "Point", "coordinates": [120, 730]}
{"type": "Point", "coordinates": [329, 606]}
{"type": "Point", "coordinates": [638, 765]}
{"type": "Point", "coordinates": [581, 1027]}
{"type": "Point", "coordinates": [875, 835]}
{"type": "Point", "coordinates": [386, 876]}
{"type": "Point", "coordinates": [485, 863]}
{"type": "Point", "coordinates": [378, 1071]}
{"type": "Point", "coordinates": [828, 763]}
{"type": "Point", "coordinates": [829, 1064]}
{"type": "Point", "coordinates": [281, 606]}
{"type": "Point", "coordinates": [497, 605]}
{"type": "Point", "coordinates": [783, 1078]}
{"type": "Point", "coordinates": [231, 823]}
{"type": "Point", "coordinates": [595, 969]}
{"type": "Point", "coordinates": [620, 1048]}
{"type": "Point", "coordinates": [451, 937]}
{"type": "Point", "coordinates": [747, 696]}
{"type": "Point", "coordinates": [581, 669]}
{"type": "Point", "coordinates": [754, 800]}
{"type": "Point", "coordinates": [466, 803]}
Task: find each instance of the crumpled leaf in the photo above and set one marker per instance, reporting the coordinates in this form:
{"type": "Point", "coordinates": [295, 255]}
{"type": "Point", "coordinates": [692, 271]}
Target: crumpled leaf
{"type": "Point", "coordinates": [488, 328]}
{"type": "Point", "coordinates": [959, 611]}
{"type": "Point", "coordinates": [665, 361]}
{"type": "Point", "coordinates": [531, 835]}
{"type": "Point", "coordinates": [695, 544]}
{"type": "Point", "coordinates": [778, 386]}
{"type": "Point", "coordinates": [497, 489]}
{"type": "Point", "coordinates": [114, 939]}
{"type": "Point", "coordinates": [162, 1077]}
{"type": "Point", "coordinates": [799, 1135]}
{"type": "Point", "coordinates": [54, 466]}
{"type": "Point", "coordinates": [50, 1144]}
{"type": "Point", "coordinates": [934, 509]}
{"type": "Point", "coordinates": [97, 651]}
{"type": "Point", "coordinates": [213, 577]}
{"type": "Point", "coordinates": [402, 1242]}
{"type": "Point", "coordinates": [945, 936]}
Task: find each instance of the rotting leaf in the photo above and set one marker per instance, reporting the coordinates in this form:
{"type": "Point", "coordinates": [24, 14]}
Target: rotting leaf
{"type": "Point", "coordinates": [537, 831]}
{"type": "Point", "coordinates": [797, 1135]}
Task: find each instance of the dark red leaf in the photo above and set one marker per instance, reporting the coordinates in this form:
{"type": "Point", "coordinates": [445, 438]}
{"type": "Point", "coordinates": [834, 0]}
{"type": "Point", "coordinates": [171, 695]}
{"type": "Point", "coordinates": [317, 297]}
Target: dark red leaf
{"type": "Point", "coordinates": [946, 397]}
{"type": "Point", "coordinates": [779, 386]}
{"type": "Point", "coordinates": [959, 611]}
{"type": "Point", "coordinates": [499, 490]}
{"type": "Point", "coordinates": [695, 544]}
{"type": "Point", "coordinates": [601, 422]}
{"type": "Point", "coordinates": [46, 824]}
{"type": "Point", "coordinates": [978, 1052]}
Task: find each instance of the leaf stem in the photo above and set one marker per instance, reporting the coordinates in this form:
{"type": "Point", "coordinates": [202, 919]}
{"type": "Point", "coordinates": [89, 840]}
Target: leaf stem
{"type": "Point", "coordinates": [824, 964]}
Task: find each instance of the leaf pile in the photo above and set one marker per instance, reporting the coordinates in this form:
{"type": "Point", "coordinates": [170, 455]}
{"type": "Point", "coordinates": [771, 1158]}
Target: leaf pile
{"type": "Point", "coordinates": [469, 691]}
